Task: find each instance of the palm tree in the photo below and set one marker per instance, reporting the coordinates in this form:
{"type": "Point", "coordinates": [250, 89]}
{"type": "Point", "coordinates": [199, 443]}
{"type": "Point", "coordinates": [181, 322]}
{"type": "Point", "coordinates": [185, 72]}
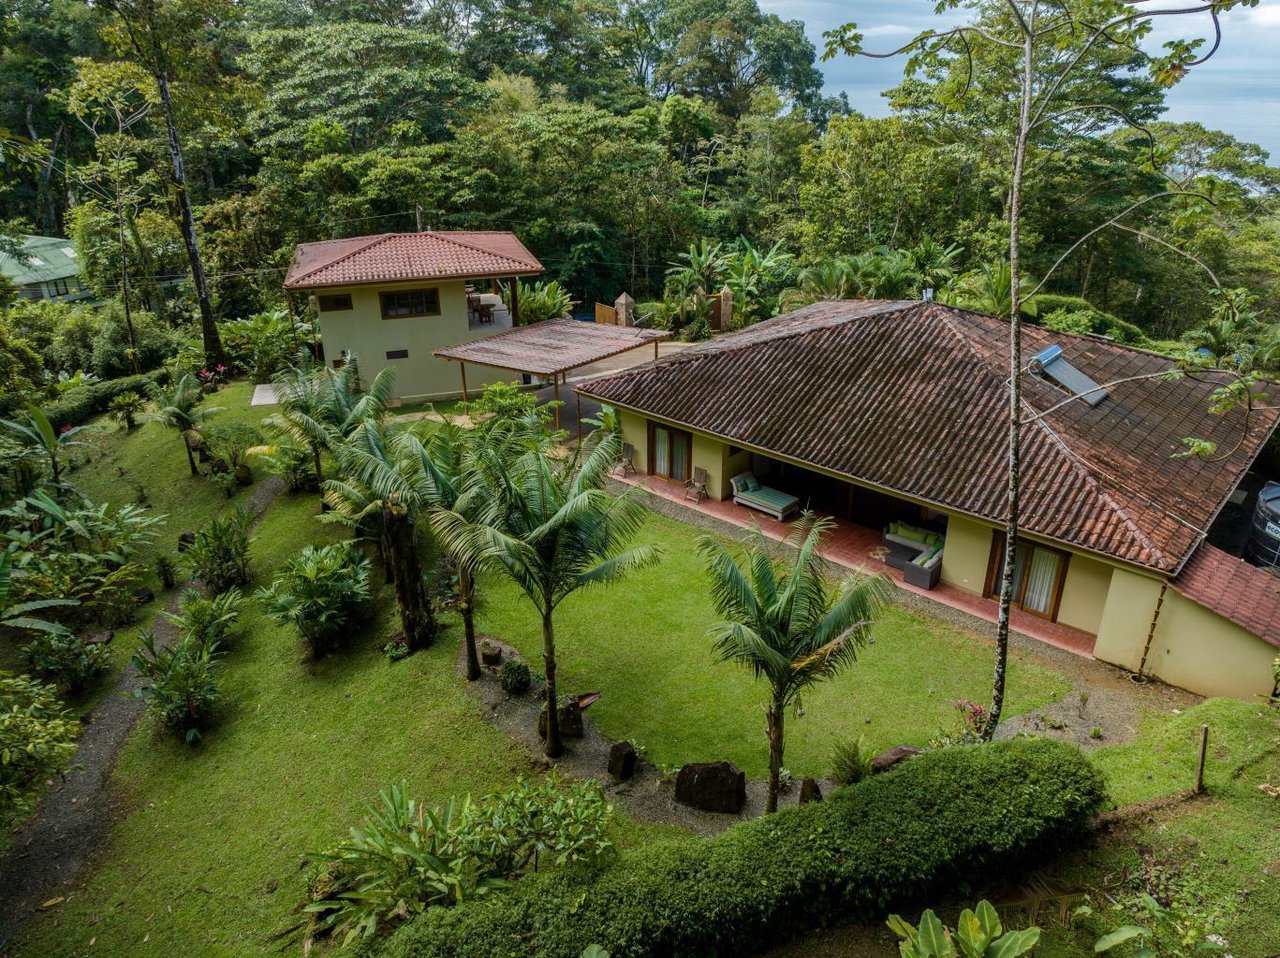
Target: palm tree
{"type": "Point", "coordinates": [934, 263]}
{"type": "Point", "coordinates": [178, 407]}
{"type": "Point", "coordinates": [827, 279]}
{"type": "Point", "coordinates": [383, 481]}
{"type": "Point", "coordinates": [319, 405]}
{"type": "Point", "coordinates": [783, 621]}
{"type": "Point", "coordinates": [989, 291]}
{"type": "Point", "coordinates": [552, 529]}
{"type": "Point", "coordinates": [38, 434]}
{"type": "Point", "coordinates": [891, 274]}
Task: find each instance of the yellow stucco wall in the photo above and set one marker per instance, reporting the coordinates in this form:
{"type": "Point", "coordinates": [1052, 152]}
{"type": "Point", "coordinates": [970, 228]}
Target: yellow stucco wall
{"type": "Point", "coordinates": [362, 332]}
{"type": "Point", "coordinates": [711, 455]}
{"type": "Point", "coordinates": [635, 431]}
{"type": "Point", "coordinates": [1084, 593]}
{"type": "Point", "coordinates": [1126, 618]}
{"type": "Point", "coordinates": [967, 552]}
{"type": "Point", "coordinates": [1197, 649]}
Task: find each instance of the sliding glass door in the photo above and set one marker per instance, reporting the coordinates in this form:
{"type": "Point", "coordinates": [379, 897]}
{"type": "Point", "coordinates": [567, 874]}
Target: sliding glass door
{"type": "Point", "coordinates": [670, 451]}
{"type": "Point", "coordinates": [1038, 574]}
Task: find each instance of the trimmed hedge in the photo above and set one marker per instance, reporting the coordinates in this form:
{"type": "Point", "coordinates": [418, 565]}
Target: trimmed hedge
{"type": "Point", "coordinates": [79, 405]}
{"type": "Point", "coordinates": [1096, 320]}
{"type": "Point", "coordinates": [940, 821]}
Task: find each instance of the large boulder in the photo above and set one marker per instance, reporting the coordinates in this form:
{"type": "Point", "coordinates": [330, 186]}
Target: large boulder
{"type": "Point", "coordinates": [809, 791]}
{"type": "Point", "coordinates": [622, 761]}
{"type": "Point", "coordinates": [570, 719]}
{"type": "Point", "coordinates": [712, 787]}
{"type": "Point", "coordinates": [490, 653]}
{"type": "Point", "coordinates": [894, 756]}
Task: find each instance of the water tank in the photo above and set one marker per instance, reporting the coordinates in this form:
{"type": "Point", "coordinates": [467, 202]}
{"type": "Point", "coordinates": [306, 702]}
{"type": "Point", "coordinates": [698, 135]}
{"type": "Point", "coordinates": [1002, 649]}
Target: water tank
{"type": "Point", "coordinates": [1264, 535]}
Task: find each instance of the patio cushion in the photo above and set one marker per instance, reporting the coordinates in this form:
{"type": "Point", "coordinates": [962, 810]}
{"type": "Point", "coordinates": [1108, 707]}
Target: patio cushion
{"type": "Point", "coordinates": [772, 498]}
{"type": "Point", "coordinates": [750, 484]}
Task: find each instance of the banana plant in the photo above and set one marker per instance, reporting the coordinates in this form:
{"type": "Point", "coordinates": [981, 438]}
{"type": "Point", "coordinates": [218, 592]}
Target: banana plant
{"type": "Point", "coordinates": [16, 616]}
{"type": "Point", "coordinates": [978, 934]}
{"type": "Point", "coordinates": [38, 433]}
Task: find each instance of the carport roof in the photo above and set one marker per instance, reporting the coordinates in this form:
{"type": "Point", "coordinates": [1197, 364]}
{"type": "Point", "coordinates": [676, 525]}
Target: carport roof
{"type": "Point", "coordinates": [551, 347]}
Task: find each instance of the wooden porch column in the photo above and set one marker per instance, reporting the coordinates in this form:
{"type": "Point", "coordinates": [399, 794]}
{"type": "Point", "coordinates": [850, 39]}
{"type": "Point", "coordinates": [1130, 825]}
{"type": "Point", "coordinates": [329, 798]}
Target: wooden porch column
{"type": "Point", "coordinates": [578, 399]}
{"type": "Point", "coordinates": [462, 368]}
{"type": "Point", "coordinates": [556, 399]}
{"type": "Point", "coordinates": [515, 301]}
{"type": "Point", "coordinates": [655, 348]}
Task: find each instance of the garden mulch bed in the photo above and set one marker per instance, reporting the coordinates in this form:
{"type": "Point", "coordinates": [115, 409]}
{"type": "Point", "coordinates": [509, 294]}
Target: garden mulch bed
{"type": "Point", "coordinates": [74, 817]}
{"type": "Point", "coordinates": [648, 796]}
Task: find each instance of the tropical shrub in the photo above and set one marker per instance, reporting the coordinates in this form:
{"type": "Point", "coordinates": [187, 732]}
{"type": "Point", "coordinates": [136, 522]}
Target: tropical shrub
{"type": "Point", "coordinates": [290, 461]}
{"type": "Point", "coordinates": [208, 620]}
{"type": "Point", "coordinates": [319, 592]}
{"type": "Point", "coordinates": [44, 441]}
{"type": "Point", "coordinates": [37, 741]}
{"type": "Point", "coordinates": [183, 687]}
{"type": "Point", "coordinates": [504, 400]}
{"type": "Point", "coordinates": [917, 830]}
{"type": "Point", "coordinates": [515, 677]}
{"type": "Point", "coordinates": [231, 441]}
{"type": "Point", "coordinates": [166, 571]}
{"type": "Point", "coordinates": [219, 557]}
{"type": "Point", "coordinates": [263, 344]}
{"type": "Point", "coordinates": [541, 301]}
{"type": "Point", "coordinates": [1072, 314]}
{"type": "Point", "coordinates": [851, 760]}
{"type": "Point", "coordinates": [978, 934]}
{"type": "Point", "coordinates": [405, 859]}
{"type": "Point", "coordinates": [65, 659]}
{"type": "Point", "coordinates": [126, 408]}
{"type": "Point", "coordinates": [81, 404]}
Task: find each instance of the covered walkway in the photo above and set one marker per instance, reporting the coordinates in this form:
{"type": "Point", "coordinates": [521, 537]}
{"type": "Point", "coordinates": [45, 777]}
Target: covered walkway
{"type": "Point", "coordinates": [858, 547]}
{"type": "Point", "coordinates": [550, 350]}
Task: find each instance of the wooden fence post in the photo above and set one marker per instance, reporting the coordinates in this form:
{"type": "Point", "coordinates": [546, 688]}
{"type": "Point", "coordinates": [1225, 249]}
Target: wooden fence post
{"type": "Point", "coordinates": [1204, 748]}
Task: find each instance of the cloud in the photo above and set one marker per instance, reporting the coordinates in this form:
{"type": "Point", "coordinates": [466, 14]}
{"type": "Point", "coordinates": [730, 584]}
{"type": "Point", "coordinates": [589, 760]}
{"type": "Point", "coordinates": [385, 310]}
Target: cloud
{"type": "Point", "coordinates": [889, 30]}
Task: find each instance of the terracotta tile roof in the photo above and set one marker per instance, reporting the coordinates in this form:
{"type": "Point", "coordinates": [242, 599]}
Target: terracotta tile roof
{"type": "Point", "coordinates": [550, 347]}
{"type": "Point", "coordinates": [910, 397]}
{"type": "Point", "coordinates": [1237, 591]}
{"type": "Point", "coordinates": [397, 257]}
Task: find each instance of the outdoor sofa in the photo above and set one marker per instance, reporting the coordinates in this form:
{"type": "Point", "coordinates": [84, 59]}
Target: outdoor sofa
{"type": "Point", "coordinates": [917, 552]}
{"type": "Point", "coordinates": [747, 491]}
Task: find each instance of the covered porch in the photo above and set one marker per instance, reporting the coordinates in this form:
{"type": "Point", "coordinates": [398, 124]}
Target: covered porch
{"type": "Point", "coordinates": [856, 546]}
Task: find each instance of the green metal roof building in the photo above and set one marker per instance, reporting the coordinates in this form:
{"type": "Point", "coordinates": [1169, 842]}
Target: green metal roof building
{"type": "Point", "coordinates": [50, 269]}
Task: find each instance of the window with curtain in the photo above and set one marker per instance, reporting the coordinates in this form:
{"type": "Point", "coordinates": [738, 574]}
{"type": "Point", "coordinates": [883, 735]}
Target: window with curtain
{"type": "Point", "coordinates": [671, 453]}
{"type": "Point", "coordinates": [1038, 573]}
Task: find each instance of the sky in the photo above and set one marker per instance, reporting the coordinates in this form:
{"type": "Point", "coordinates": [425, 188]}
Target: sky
{"type": "Point", "coordinates": [1238, 90]}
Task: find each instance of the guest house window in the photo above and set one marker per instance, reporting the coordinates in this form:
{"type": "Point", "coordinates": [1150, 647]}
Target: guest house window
{"type": "Point", "coordinates": [334, 302]}
{"type": "Point", "coordinates": [410, 302]}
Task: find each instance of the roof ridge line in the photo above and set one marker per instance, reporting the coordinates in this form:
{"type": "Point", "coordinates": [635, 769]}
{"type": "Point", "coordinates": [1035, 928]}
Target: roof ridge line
{"type": "Point", "coordinates": [379, 238]}
{"type": "Point", "coordinates": [446, 237]}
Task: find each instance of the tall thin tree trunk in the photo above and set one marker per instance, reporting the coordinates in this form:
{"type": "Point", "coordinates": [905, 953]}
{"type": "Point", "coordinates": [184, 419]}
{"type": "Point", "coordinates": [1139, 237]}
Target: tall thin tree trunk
{"type": "Point", "coordinates": [124, 278]}
{"type": "Point", "coordinates": [553, 747]}
{"type": "Point", "coordinates": [413, 600]}
{"type": "Point", "coordinates": [208, 327]}
{"type": "Point", "coordinates": [1015, 392]}
{"type": "Point", "coordinates": [466, 605]}
{"type": "Point", "coordinates": [774, 720]}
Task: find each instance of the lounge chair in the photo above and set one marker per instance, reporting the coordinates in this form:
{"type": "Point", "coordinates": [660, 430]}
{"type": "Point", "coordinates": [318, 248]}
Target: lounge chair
{"type": "Point", "coordinates": [696, 488]}
{"type": "Point", "coordinates": [626, 461]}
{"type": "Point", "coordinates": [748, 492]}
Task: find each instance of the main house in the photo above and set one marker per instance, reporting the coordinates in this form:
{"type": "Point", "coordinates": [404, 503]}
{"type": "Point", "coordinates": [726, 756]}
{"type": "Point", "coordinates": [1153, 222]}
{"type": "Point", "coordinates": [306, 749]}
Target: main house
{"type": "Point", "coordinates": [393, 299]}
{"type": "Point", "coordinates": [885, 413]}
{"type": "Point", "coordinates": [48, 268]}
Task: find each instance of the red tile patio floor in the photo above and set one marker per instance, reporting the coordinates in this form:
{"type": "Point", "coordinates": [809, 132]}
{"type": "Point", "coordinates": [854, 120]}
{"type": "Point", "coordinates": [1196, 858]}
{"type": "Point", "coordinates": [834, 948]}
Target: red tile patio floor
{"type": "Point", "coordinates": [858, 547]}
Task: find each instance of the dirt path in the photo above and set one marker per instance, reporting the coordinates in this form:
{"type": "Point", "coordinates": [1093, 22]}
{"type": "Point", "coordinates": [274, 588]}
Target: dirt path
{"type": "Point", "coordinates": [73, 819]}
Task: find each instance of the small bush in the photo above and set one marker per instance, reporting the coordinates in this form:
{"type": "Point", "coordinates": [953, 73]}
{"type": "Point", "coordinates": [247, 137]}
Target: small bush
{"type": "Point", "coordinates": [227, 482]}
{"type": "Point", "coordinates": [941, 819]}
{"type": "Point", "coordinates": [77, 406]}
{"type": "Point", "coordinates": [126, 408]}
{"type": "Point", "coordinates": [37, 741]}
{"type": "Point", "coordinates": [166, 571]}
{"type": "Point", "coordinates": [851, 760]}
{"type": "Point", "coordinates": [515, 677]}
{"type": "Point", "coordinates": [220, 555]}
{"type": "Point", "coordinates": [229, 441]}
{"type": "Point", "coordinates": [291, 462]}
{"type": "Point", "coordinates": [184, 684]}
{"type": "Point", "coordinates": [319, 592]}
{"type": "Point", "coordinates": [208, 620]}
{"type": "Point", "coordinates": [66, 659]}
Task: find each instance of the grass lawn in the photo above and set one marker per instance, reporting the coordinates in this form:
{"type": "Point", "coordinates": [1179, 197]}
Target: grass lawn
{"type": "Point", "coordinates": [643, 643]}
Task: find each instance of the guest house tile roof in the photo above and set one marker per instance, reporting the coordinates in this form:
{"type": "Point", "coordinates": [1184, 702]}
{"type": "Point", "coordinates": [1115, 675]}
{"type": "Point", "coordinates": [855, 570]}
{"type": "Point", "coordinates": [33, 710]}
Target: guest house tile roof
{"type": "Point", "coordinates": [1237, 591]}
{"type": "Point", "coordinates": [550, 347]}
{"type": "Point", "coordinates": [400, 257]}
{"type": "Point", "coordinates": [911, 398]}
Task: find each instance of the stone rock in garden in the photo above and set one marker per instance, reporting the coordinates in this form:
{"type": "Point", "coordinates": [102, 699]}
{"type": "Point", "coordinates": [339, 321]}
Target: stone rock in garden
{"type": "Point", "coordinates": [809, 791]}
{"type": "Point", "coordinates": [570, 719]}
{"type": "Point", "coordinates": [144, 595]}
{"type": "Point", "coordinates": [894, 756]}
{"type": "Point", "coordinates": [219, 466]}
{"type": "Point", "coordinates": [712, 786]}
{"type": "Point", "coordinates": [185, 540]}
{"type": "Point", "coordinates": [100, 638]}
{"type": "Point", "coordinates": [490, 654]}
{"type": "Point", "coordinates": [622, 760]}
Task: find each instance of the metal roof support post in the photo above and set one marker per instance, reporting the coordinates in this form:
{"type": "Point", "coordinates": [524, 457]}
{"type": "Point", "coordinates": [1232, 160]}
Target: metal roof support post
{"type": "Point", "coordinates": [462, 368]}
{"type": "Point", "coordinates": [556, 398]}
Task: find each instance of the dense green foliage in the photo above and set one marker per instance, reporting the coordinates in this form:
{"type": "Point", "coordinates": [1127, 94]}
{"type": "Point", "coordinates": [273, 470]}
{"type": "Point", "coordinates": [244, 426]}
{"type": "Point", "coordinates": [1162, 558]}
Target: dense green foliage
{"type": "Point", "coordinates": [895, 836]}
{"type": "Point", "coordinates": [37, 740]}
{"type": "Point", "coordinates": [183, 683]}
{"type": "Point", "coordinates": [219, 557]}
{"type": "Point", "coordinates": [319, 592]}
{"type": "Point", "coordinates": [609, 137]}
